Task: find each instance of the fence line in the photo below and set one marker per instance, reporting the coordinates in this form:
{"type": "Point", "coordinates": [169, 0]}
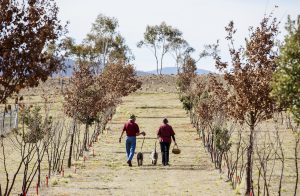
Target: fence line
{"type": "Point", "coordinates": [8, 121]}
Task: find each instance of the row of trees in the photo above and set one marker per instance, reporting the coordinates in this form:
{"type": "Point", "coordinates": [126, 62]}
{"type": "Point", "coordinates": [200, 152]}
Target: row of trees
{"type": "Point", "coordinates": [30, 51]}
{"type": "Point", "coordinates": [257, 84]}
{"type": "Point", "coordinates": [33, 46]}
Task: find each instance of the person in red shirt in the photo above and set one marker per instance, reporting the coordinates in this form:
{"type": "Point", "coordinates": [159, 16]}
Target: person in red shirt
{"type": "Point", "coordinates": [164, 134]}
{"type": "Point", "coordinates": [132, 130]}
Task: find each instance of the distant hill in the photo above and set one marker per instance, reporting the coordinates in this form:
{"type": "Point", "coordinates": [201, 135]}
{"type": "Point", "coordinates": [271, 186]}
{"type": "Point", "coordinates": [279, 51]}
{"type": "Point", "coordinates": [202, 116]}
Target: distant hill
{"type": "Point", "coordinates": [142, 73]}
{"type": "Point", "coordinates": [173, 70]}
{"type": "Point", "coordinates": [166, 70]}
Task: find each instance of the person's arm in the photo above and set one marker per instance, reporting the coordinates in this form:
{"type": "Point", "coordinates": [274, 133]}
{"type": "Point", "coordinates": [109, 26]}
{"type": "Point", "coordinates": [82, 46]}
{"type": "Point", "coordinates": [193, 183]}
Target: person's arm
{"type": "Point", "coordinates": [124, 129]}
{"type": "Point", "coordinates": [158, 134]}
{"type": "Point", "coordinates": [173, 135]}
{"type": "Point", "coordinates": [121, 136]}
{"type": "Point", "coordinates": [138, 131]}
{"type": "Point", "coordinates": [141, 133]}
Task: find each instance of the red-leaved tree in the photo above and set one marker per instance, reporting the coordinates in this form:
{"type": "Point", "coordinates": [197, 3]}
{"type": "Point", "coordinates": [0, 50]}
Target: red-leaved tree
{"type": "Point", "coordinates": [29, 30]}
{"type": "Point", "coordinates": [249, 75]}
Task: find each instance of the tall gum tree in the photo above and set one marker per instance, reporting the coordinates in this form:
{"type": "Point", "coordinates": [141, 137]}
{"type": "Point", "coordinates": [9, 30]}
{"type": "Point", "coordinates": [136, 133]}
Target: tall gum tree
{"type": "Point", "coordinates": [160, 39]}
{"type": "Point", "coordinates": [107, 43]}
{"type": "Point", "coordinates": [180, 49]}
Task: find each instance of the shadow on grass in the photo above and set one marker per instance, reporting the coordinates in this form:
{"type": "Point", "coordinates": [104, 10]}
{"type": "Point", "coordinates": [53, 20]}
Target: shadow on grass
{"type": "Point", "coordinates": [154, 107]}
{"type": "Point", "coordinates": [173, 167]}
{"type": "Point", "coordinates": [100, 188]}
{"type": "Point", "coordinates": [162, 117]}
{"type": "Point", "coordinates": [121, 152]}
{"type": "Point", "coordinates": [190, 131]}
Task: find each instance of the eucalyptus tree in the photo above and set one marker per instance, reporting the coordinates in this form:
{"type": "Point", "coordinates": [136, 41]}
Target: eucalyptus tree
{"type": "Point", "coordinates": [107, 43]}
{"type": "Point", "coordinates": [180, 49]}
{"type": "Point", "coordinates": [160, 39]}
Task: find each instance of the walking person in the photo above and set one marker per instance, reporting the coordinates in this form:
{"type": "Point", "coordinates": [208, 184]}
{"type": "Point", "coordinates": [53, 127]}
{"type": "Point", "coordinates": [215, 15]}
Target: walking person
{"type": "Point", "coordinates": [132, 130]}
{"type": "Point", "coordinates": [164, 134]}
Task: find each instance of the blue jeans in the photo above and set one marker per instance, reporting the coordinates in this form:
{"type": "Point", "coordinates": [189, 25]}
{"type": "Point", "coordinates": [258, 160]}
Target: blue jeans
{"type": "Point", "coordinates": [130, 146]}
{"type": "Point", "coordinates": [165, 148]}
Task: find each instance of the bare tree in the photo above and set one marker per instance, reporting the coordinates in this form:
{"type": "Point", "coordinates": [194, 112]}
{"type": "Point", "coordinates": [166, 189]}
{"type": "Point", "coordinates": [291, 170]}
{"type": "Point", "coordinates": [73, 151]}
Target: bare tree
{"type": "Point", "coordinates": [31, 143]}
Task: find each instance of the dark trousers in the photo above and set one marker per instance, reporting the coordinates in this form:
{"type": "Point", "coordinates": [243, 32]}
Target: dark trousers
{"type": "Point", "coordinates": [165, 148]}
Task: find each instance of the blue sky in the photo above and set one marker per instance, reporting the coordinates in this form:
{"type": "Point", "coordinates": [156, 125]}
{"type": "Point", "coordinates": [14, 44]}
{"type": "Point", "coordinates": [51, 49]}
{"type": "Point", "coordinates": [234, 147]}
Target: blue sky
{"type": "Point", "coordinates": [201, 21]}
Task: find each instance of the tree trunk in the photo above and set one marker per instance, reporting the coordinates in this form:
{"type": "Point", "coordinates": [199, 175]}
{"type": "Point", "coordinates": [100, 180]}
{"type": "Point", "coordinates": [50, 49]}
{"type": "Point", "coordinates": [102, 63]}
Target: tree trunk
{"type": "Point", "coordinates": [177, 64]}
{"type": "Point", "coordinates": [281, 177]}
{"type": "Point", "coordinates": [296, 165]}
{"type": "Point", "coordinates": [85, 139]}
{"type": "Point", "coordinates": [258, 182]}
{"type": "Point", "coordinates": [71, 145]}
{"type": "Point", "coordinates": [282, 164]}
{"type": "Point", "coordinates": [39, 166]}
{"type": "Point", "coordinates": [160, 72]}
{"type": "Point", "coordinates": [161, 64]}
{"type": "Point", "coordinates": [49, 157]}
{"type": "Point", "coordinates": [203, 137]}
{"type": "Point", "coordinates": [157, 64]}
{"type": "Point", "coordinates": [249, 156]}
{"type": "Point", "coordinates": [62, 85]}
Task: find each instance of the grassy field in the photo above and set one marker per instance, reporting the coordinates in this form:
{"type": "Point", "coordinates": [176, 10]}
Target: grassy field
{"type": "Point", "coordinates": [190, 173]}
{"type": "Point", "coordinates": [266, 147]}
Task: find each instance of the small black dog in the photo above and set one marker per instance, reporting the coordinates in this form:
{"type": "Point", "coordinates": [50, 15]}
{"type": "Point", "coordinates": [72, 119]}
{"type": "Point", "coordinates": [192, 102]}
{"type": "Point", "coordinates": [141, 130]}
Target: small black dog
{"type": "Point", "coordinates": [140, 158]}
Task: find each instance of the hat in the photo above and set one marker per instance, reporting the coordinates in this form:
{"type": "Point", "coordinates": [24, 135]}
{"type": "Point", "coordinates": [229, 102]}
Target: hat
{"type": "Point", "coordinates": [132, 117]}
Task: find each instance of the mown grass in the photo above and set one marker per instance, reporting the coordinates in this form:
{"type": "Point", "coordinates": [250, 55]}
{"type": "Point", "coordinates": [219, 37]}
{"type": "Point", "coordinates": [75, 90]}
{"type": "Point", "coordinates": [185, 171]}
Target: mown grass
{"type": "Point", "coordinates": [151, 106]}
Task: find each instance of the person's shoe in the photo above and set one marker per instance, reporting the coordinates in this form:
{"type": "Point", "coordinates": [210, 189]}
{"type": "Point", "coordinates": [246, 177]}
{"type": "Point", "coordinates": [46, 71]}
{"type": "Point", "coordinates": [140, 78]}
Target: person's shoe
{"type": "Point", "coordinates": [129, 163]}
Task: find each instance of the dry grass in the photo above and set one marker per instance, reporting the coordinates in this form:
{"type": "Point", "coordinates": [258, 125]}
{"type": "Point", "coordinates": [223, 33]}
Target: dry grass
{"type": "Point", "coordinates": [190, 173]}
